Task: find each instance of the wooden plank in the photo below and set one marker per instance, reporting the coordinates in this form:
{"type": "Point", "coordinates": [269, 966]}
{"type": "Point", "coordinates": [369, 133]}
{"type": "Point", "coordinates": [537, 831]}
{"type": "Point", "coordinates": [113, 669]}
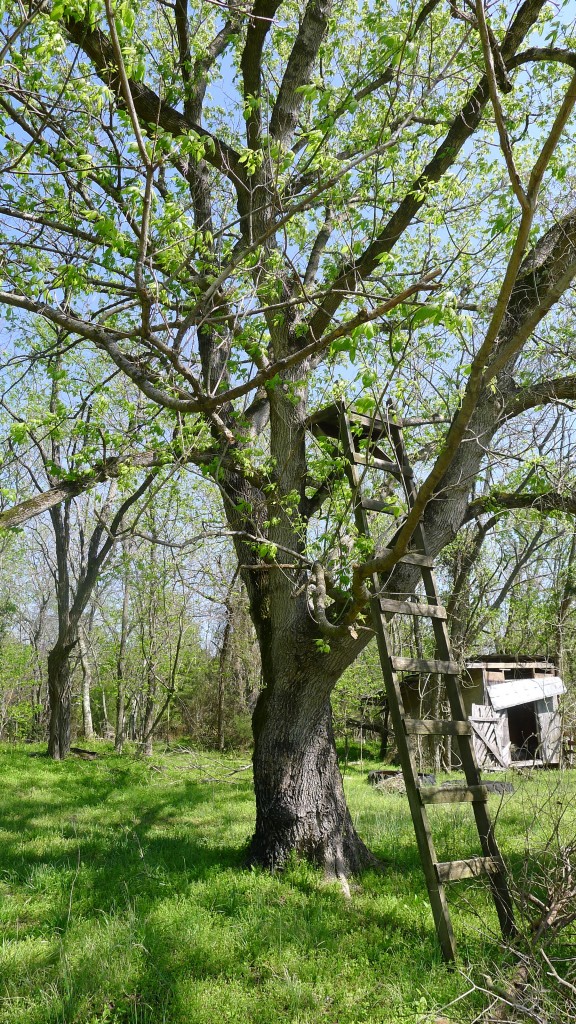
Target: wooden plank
{"type": "Point", "coordinates": [416, 558]}
{"type": "Point", "coordinates": [546, 668]}
{"type": "Point", "coordinates": [436, 727]}
{"type": "Point", "coordinates": [425, 665]}
{"type": "Point", "coordinates": [453, 794]}
{"type": "Point", "coordinates": [472, 867]}
{"type": "Point", "coordinates": [485, 738]}
{"type": "Point", "coordinates": [371, 423]}
{"type": "Point", "coordinates": [386, 467]}
{"type": "Point", "coordinates": [329, 417]}
{"type": "Point", "coordinates": [373, 505]}
{"type": "Point", "coordinates": [435, 611]}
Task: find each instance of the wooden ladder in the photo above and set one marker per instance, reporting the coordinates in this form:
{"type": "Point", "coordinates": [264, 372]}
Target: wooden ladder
{"type": "Point", "coordinates": [364, 441]}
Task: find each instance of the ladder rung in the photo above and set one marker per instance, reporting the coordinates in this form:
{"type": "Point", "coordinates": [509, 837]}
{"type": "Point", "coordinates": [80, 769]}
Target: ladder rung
{"type": "Point", "coordinates": [435, 611]}
{"type": "Point", "coordinates": [386, 467]}
{"type": "Point", "coordinates": [375, 425]}
{"type": "Point", "coordinates": [411, 557]}
{"type": "Point", "coordinates": [447, 668]}
{"type": "Point", "coordinates": [453, 794]}
{"type": "Point", "coordinates": [416, 558]}
{"type": "Point", "coordinates": [373, 505]}
{"type": "Point", "coordinates": [472, 867]}
{"type": "Point", "coordinates": [436, 727]}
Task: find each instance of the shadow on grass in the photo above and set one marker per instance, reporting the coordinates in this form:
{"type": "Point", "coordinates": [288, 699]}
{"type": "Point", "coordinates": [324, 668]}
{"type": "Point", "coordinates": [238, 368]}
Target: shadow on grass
{"type": "Point", "coordinates": [125, 904]}
{"type": "Point", "coordinates": [130, 839]}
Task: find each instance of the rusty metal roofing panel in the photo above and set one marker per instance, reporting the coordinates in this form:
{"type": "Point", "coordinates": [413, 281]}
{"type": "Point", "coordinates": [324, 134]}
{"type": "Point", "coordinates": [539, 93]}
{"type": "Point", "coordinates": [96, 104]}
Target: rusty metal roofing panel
{"type": "Point", "coordinates": [523, 691]}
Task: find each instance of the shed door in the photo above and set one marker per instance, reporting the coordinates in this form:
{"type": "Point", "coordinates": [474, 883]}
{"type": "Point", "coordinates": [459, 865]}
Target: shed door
{"type": "Point", "coordinates": [549, 720]}
{"type": "Point", "coordinates": [487, 737]}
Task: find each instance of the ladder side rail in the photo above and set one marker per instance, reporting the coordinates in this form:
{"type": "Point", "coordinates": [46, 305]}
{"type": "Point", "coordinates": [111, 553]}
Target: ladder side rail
{"type": "Point", "coordinates": [485, 829]}
{"type": "Point", "coordinates": [484, 825]}
{"type": "Point", "coordinates": [425, 842]}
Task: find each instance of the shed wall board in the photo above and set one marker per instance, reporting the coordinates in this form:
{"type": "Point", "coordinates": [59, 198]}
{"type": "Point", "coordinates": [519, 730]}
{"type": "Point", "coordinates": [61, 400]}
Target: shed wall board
{"type": "Point", "coordinates": [550, 730]}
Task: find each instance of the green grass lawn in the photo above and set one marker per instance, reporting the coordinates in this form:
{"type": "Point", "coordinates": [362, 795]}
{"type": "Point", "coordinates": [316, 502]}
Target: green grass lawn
{"type": "Point", "coordinates": [123, 900]}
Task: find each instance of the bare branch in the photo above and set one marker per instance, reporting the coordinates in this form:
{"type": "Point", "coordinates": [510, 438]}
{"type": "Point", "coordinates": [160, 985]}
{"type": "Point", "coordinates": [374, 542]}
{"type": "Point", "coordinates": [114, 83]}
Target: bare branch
{"type": "Point", "coordinates": [108, 341]}
{"type": "Point", "coordinates": [251, 63]}
{"type": "Point", "coordinates": [148, 106]}
{"type": "Point", "coordinates": [318, 247]}
{"type": "Point", "coordinates": [100, 472]}
{"type": "Point", "coordinates": [505, 143]}
{"type": "Point", "coordinates": [544, 392]}
{"type": "Point", "coordinates": [462, 128]}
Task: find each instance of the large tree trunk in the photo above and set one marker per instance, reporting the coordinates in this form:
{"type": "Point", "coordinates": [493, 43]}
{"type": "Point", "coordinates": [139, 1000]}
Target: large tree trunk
{"type": "Point", "coordinates": [60, 696]}
{"type": "Point", "coordinates": [300, 802]}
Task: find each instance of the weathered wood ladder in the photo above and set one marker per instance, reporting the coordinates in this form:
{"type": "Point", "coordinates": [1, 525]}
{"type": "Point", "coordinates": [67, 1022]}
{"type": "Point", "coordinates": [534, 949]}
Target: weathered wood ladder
{"type": "Point", "coordinates": [364, 440]}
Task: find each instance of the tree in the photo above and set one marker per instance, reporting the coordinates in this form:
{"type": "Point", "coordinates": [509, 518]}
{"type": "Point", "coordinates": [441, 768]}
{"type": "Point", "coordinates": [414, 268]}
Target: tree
{"type": "Point", "coordinates": [83, 533]}
{"type": "Point", "coordinates": [230, 272]}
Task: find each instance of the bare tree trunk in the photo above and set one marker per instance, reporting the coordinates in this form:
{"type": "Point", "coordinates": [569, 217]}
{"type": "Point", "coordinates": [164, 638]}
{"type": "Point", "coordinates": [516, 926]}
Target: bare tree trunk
{"type": "Point", "coordinates": [71, 607]}
{"type": "Point", "coordinates": [222, 665]}
{"type": "Point", "coordinates": [146, 742]}
{"type": "Point", "coordinates": [149, 720]}
{"type": "Point", "coordinates": [60, 691]}
{"type": "Point", "coordinates": [120, 732]}
{"type": "Point", "coordinates": [87, 725]}
{"type": "Point", "coordinates": [560, 654]}
{"type": "Point", "coordinates": [132, 715]}
{"type": "Point", "coordinates": [106, 727]}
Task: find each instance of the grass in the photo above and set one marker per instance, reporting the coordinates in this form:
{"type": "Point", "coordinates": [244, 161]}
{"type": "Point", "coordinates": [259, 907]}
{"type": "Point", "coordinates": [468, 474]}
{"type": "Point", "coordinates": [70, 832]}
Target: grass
{"type": "Point", "coordinates": [123, 901]}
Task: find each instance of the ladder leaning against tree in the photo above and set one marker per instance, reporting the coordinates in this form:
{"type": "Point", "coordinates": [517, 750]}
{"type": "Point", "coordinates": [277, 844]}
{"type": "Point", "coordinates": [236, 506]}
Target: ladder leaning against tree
{"type": "Point", "coordinates": [377, 444]}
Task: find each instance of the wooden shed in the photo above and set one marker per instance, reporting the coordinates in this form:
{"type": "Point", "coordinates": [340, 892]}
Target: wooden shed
{"type": "Point", "coordinates": [513, 704]}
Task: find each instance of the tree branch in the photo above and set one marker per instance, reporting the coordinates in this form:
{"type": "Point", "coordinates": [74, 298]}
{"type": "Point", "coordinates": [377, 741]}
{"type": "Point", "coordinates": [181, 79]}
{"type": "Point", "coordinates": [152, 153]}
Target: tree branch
{"type": "Point", "coordinates": [108, 470]}
{"type": "Point", "coordinates": [299, 69]}
{"type": "Point", "coordinates": [148, 106]}
{"type": "Point", "coordinates": [259, 26]}
{"type": "Point", "coordinates": [318, 247]}
{"type": "Point", "coordinates": [544, 392]}
{"type": "Point", "coordinates": [108, 341]}
{"type": "Point", "coordinates": [543, 277]}
{"type": "Point", "coordinates": [549, 501]}
{"type": "Point", "coordinates": [463, 126]}
{"type": "Point", "coordinates": [505, 144]}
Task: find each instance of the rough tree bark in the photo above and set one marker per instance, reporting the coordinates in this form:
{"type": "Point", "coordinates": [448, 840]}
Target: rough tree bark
{"type": "Point", "coordinates": [59, 693]}
{"type": "Point", "coordinates": [300, 802]}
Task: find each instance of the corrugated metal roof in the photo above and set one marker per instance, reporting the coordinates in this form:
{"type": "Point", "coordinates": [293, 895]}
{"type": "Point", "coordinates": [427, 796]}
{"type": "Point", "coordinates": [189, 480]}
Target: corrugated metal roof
{"type": "Point", "coordinates": [523, 691]}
